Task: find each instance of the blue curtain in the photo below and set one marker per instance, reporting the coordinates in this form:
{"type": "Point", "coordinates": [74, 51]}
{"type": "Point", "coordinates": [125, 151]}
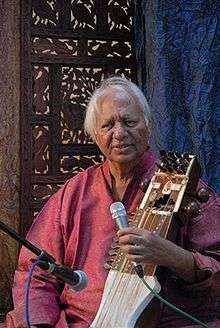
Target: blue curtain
{"type": "Point", "coordinates": [178, 54]}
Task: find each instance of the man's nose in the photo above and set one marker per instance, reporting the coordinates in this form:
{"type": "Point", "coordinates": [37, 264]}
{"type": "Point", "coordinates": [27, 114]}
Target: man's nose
{"type": "Point", "coordinates": [119, 130]}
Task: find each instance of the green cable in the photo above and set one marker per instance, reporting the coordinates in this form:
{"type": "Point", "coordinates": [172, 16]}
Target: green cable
{"type": "Point", "coordinates": [173, 306]}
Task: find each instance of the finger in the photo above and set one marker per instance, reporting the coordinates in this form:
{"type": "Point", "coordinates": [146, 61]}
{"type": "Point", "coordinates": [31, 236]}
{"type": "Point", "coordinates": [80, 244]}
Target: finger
{"type": "Point", "coordinates": [132, 250]}
{"type": "Point", "coordinates": [136, 258]}
{"type": "Point", "coordinates": [130, 230]}
{"type": "Point", "coordinates": [130, 239]}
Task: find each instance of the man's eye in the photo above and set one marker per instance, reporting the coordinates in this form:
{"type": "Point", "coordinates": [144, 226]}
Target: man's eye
{"type": "Point", "coordinates": [130, 123]}
{"type": "Point", "coordinates": [107, 125]}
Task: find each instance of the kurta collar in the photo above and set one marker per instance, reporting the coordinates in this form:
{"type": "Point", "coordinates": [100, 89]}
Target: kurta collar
{"type": "Point", "coordinates": [144, 166]}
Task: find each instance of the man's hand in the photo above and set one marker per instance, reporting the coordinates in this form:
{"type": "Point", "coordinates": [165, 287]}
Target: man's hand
{"type": "Point", "coordinates": [142, 246]}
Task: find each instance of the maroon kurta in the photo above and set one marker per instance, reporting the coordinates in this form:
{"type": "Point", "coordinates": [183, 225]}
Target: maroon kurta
{"type": "Point", "coordinates": [75, 227]}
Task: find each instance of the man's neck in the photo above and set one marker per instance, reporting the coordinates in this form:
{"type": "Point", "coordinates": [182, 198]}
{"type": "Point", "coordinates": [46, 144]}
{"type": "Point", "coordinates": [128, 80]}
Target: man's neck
{"type": "Point", "coordinates": [121, 173]}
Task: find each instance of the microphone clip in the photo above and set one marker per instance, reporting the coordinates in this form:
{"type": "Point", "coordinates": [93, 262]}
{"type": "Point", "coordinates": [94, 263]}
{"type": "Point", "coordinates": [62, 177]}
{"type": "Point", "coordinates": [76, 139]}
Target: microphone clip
{"type": "Point", "coordinates": [45, 260]}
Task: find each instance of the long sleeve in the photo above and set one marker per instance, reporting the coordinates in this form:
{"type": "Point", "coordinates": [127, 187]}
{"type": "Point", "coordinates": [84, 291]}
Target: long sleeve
{"type": "Point", "coordinates": [203, 235]}
{"type": "Point", "coordinates": [71, 228]}
{"type": "Point", "coordinates": [46, 234]}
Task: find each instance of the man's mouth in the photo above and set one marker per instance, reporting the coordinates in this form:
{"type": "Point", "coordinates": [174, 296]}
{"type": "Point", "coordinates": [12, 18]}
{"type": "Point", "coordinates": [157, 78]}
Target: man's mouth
{"type": "Point", "coordinates": [121, 146]}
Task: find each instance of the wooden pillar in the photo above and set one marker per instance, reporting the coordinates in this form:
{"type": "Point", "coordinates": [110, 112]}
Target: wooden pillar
{"type": "Point", "coordinates": [9, 142]}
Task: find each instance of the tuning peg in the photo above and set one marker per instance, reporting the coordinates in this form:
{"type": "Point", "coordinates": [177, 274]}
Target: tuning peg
{"type": "Point", "coordinates": [107, 266]}
{"type": "Point", "coordinates": [202, 195]}
{"type": "Point", "coordinates": [109, 260]}
{"type": "Point", "coordinates": [163, 153]}
{"type": "Point", "coordinates": [161, 167]}
{"type": "Point", "coordinates": [164, 167]}
{"type": "Point", "coordinates": [183, 168]}
{"type": "Point", "coordinates": [178, 154]}
{"type": "Point", "coordinates": [169, 168]}
{"type": "Point", "coordinates": [186, 157]}
{"type": "Point", "coordinates": [115, 240]}
{"type": "Point", "coordinates": [113, 252]}
{"type": "Point", "coordinates": [144, 184]}
{"type": "Point", "coordinates": [115, 245]}
{"type": "Point", "coordinates": [192, 209]}
{"type": "Point", "coordinates": [171, 155]}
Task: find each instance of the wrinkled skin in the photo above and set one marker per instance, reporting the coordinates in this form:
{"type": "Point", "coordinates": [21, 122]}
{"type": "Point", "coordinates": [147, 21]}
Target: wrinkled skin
{"type": "Point", "coordinates": [122, 135]}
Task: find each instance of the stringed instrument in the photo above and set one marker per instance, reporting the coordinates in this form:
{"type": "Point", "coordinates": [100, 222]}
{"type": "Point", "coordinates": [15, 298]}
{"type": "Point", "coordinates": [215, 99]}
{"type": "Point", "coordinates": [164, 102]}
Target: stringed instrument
{"type": "Point", "coordinates": [125, 296]}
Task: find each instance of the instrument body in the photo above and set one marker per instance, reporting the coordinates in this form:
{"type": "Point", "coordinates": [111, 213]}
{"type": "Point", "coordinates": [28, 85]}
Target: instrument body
{"type": "Point", "coordinates": [120, 307]}
{"type": "Point", "coordinates": [125, 296]}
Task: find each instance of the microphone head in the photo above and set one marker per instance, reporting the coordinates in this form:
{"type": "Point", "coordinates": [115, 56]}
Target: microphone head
{"type": "Point", "coordinates": [117, 208]}
{"type": "Point", "coordinates": [83, 280]}
{"type": "Point", "coordinates": [119, 214]}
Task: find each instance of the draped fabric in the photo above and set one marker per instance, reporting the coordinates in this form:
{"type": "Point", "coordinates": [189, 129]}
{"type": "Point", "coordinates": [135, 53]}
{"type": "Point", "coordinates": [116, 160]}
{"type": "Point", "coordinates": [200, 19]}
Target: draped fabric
{"type": "Point", "coordinates": [178, 55]}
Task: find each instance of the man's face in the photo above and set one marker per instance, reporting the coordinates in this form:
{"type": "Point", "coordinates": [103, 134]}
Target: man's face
{"type": "Point", "coordinates": [121, 131]}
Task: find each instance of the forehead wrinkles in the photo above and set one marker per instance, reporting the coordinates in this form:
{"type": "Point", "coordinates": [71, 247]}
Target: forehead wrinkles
{"type": "Point", "coordinates": [117, 99]}
{"type": "Point", "coordinates": [116, 111]}
{"type": "Point", "coordinates": [116, 93]}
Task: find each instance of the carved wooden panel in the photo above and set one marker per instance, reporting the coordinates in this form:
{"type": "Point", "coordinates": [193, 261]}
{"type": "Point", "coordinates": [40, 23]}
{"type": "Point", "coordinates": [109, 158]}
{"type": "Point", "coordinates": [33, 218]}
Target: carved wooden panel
{"type": "Point", "coordinates": [9, 144]}
{"type": "Point", "coordinates": [68, 48]}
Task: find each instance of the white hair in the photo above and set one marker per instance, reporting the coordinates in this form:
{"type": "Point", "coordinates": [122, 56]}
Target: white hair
{"type": "Point", "coordinates": [118, 83]}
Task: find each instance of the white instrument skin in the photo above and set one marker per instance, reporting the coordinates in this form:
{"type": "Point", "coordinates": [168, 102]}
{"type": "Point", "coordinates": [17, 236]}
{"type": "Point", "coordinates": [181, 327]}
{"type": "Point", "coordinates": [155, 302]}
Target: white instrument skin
{"type": "Point", "coordinates": [130, 298]}
{"type": "Point", "coordinates": [125, 296]}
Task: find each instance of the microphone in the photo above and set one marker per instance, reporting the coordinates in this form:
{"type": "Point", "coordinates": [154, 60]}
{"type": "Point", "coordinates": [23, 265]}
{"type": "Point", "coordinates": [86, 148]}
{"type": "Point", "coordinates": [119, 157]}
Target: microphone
{"type": "Point", "coordinates": [77, 279]}
{"type": "Point", "coordinates": [119, 214]}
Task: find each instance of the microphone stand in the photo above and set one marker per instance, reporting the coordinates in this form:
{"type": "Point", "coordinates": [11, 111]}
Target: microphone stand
{"type": "Point", "coordinates": [76, 279]}
{"type": "Point", "coordinates": [42, 255]}
{"type": "Point", "coordinates": [44, 259]}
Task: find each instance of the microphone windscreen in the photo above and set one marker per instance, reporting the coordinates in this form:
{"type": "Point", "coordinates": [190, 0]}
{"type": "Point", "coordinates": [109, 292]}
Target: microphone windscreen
{"type": "Point", "coordinates": [119, 214]}
{"type": "Point", "coordinates": [83, 280]}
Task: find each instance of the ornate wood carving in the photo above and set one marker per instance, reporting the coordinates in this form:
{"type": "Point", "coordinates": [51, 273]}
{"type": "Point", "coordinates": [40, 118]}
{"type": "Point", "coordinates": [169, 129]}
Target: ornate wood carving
{"type": "Point", "coordinates": [69, 46]}
{"type": "Point", "coordinates": [9, 144]}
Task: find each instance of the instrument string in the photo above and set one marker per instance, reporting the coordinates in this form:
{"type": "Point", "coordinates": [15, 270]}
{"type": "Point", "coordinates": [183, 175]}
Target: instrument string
{"type": "Point", "coordinates": [119, 285]}
{"type": "Point", "coordinates": [153, 225]}
{"type": "Point", "coordinates": [156, 225]}
{"type": "Point", "coordinates": [114, 291]}
{"type": "Point", "coordinates": [155, 222]}
{"type": "Point", "coordinates": [144, 222]}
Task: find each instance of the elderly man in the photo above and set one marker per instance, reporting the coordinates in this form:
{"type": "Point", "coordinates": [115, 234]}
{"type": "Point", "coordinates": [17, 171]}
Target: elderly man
{"type": "Point", "coordinates": [75, 226]}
